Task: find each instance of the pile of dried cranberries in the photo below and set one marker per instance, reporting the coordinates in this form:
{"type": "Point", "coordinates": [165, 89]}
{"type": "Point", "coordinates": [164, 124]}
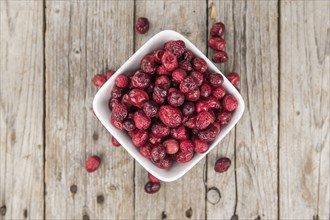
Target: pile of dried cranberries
{"type": "Point", "coordinates": [173, 106]}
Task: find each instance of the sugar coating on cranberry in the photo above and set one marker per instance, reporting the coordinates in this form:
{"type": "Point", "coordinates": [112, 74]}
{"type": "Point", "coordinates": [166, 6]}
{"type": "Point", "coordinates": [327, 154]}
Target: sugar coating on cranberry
{"type": "Point", "coordinates": [179, 133]}
{"type": "Point", "coordinates": [169, 61]}
{"type": "Point", "coordinates": [185, 65]}
{"type": "Point", "coordinates": [175, 47]}
{"type": "Point", "coordinates": [150, 108]}
{"type": "Point", "coordinates": [204, 119]}
{"type": "Point", "coordinates": [116, 92]}
{"type": "Point", "coordinates": [113, 102]}
{"type": "Point", "coordinates": [166, 163]}
{"type": "Point", "coordinates": [129, 125]}
{"type": "Point", "coordinates": [170, 116]}
{"type": "Point", "coordinates": [158, 55]}
{"type": "Point", "coordinates": [217, 29]}
{"type": "Point", "coordinates": [175, 98]}
{"type": "Point", "coordinates": [212, 102]}
{"type": "Point", "coordinates": [193, 95]}
{"type": "Point", "coordinates": [215, 79]}
{"type": "Point", "coordinates": [138, 97]}
{"type": "Point", "coordinates": [188, 84]}
{"type": "Point", "coordinates": [234, 78]}
{"type": "Point", "coordinates": [151, 187]}
{"type": "Point", "coordinates": [217, 43]}
{"type": "Point", "coordinates": [188, 109]}
{"type": "Point", "coordinates": [145, 150]}
{"type": "Point", "coordinates": [122, 81]}
{"type": "Point", "coordinates": [218, 92]}
{"type": "Point", "coordinates": [209, 134]}
{"type": "Point", "coordinates": [186, 146]}
{"type": "Point", "coordinates": [206, 90]}
{"type": "Point", "coordinates": [224, 117]}
{"type": "Point", "coordinates": [152, 178]}
{"type": "Point", "coordinates": [119, 112]}
{"type": "Point", "coordinates": [229, 103]}
{"type": "Point", "coordinates": [160, 130]}
{"type": "Point", "coordinates": [142, 25]}
{"type": "Point", "coordinates": [171, 146]}
{"type": "Point", "coordinates": [222, 165]}
{"type": "Point", "coordinates": [139, 137]}
{"type": "Point", "coordinates": [200, 146]}
{"type": "Point", "coordinates": [220, 57]}
{"type": "Point", "coordinates": [199, 64]}
{"type": "Point", "coordinates": [182, 157]}
{"type": "Point", "coordinates": [153, 139]}
{"type": "Point", "coordinates": [141, 120]}
{"type": "Point", "coordinates": [178, 75]}
{"type": "Point", "coordinates": [148, 64]}
{"type": "Point", "coordinates": [198, 77]}
{"type": "Point", "coordinates": [98, 80]}
{"type": "Point", "coordinates": [115, 142]}
{"type": "Point", "coordinates": [141, 80]}
{"type": "Point", "coordinates": [92, 163]}
{"type": "Point", "coordinates": [188, 55]}
{"type": "Point", "coordinates": [162, 71]}
{"type": "Point", "coordinates": [158, 153]}
{"type": "Point", "coordinates": [163, 81]}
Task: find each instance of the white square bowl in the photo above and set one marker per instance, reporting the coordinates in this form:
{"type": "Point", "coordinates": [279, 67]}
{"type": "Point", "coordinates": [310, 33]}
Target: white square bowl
{"type": "Point", "coordinates": [102, 111]}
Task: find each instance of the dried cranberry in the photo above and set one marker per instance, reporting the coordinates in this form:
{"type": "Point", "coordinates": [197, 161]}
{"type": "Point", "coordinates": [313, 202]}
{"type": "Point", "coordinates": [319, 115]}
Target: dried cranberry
{"type": "Point", "coordinates": [160, 130]}
{"type": "Point", "coordinates": [113, 102]}
{"type": "Point", "coordinates": [209, 134]}
{"type": "Point", "coordinates": [150, 108]}
{"type": "Point", "coordinates": [217, 29]}
{"type": "Point", "coordinates": [198, 77]}
{"type": "Point", "coordinates": [229, 103]}
{"type": "Point", "coordinates": [158, 55]}
{"type": "Point", "coordinates": [139, 137]}
{"type": "Point", "coordinates": [191, 122]}
{"type": "Point", "coordinates": [138, 97]}
{"type": "Point", "coordinates": [169, 61]}
{"type": "Point", "coordinates": [145, 150]}
{"type": "Point", "coordinates": [178, 75]}
{"type": "Point", "coordinates": [122, 81]}
{"type": "Point", "coordinates": [115, 142]}
{"type": "Point", "coordinates": [201, 106]}
{"type": "Point", "coordinates": [222, 165]}
{"type": "Point", "coordinates": [188, 84]}
{"type": "Point", "coordinates": [109, 74]}
{"type": "Point", "coordinates": [166, 163]}
{"type": "Point", "coordinates": [129, 125]}
{"type": "Point", "coordinates": [125, 100]}
{"type": "Point", "coordinates": [175, 47]}
{"type": "Point", "coordinates": [157, 99]}
{"type": "Point", "coordinates": [186, 146]}
{"type": "Point", "coordinates": [152, 178]}
{"type": "Point", "coordinates": [188, 109]}
{"type": "Point", "coordinates": [219, 92]}
{"type": "Point", "coordinates": [179, 133]}
{"type": "Point", "coordinates": [151, 187]}
{"type": "Point", "coordinates": [175, 98]}
{"type": "Point", "coordinates": [150, 88]}
{"type": "Point", "coordinates": [92, 163]}
{"type": "Point", "coordinates": [170, 116]}
{"type": "Point", "coordinates": [171, 146]}
{"type": "Point", "coordinates": [204, 119]}
{"type": "Point", "coordinates": [212, 102]}
{"type": "Point", "coordinates": [185, 65]}
{"type": "Point", "coordinates": [206, 90]}
{"type": "Point", "coordinates": [217, 43]}
{"type": "Point", "coordinates": [116, 92]}
{"type": "Point", "coordinates": [140, 80]}
{"type": "Point", "coordinates": [163, 81]}
{"type": "Point", "coordinates": [217, 125]}
{"type": "Point", "coordinates": [215, 79]}
{"type": "Point", "coordinates": [142, 25]}
{"type": "Point", "coordinates": [141, 120]}
{"type": "Point", "coordinates": [220, 57]}
{"type": "Point", "coordinates": [161, 91]}
{"type": "Point", "coordinates": [234, 78]}
{"type": "Point", "coordinates": [148, 64]}
{"type": "Point", "coordinates": [200, 146]}
{"type": "Point", "coordinates": [199, 64]}
{"type": "Point", "coordinates": [158, 153]}
{"type": "Point", "coordinates": [193, 95]}
{"type": "Point", "coordinates": [188, 55]}
{"type": "Point", "coordinates": [117, 124]}
{"type": "Point", "coordinates": [223, 117]}
{"type": "Point", "coordinates": [153, 139]}
{"type": "Point", "coordinates": [184, 157]}
{"type": "Point", "coordinates": [98, 80]}
{"type": "Point", "coordinates": [162, 71]}
{"type": "Point", "coordinates": [119, 112]}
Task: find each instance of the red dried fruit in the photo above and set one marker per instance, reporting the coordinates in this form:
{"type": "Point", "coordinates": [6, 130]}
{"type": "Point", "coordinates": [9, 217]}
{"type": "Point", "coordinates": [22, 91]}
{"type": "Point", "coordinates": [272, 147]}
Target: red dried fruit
{"type": "Point", "coordinates": [178, 75]}
{"type": "Point", "coordinates": [217, 125]}
{"type": "Point", "coordinates": [217, 29]}
{"type": "Point", "coordinates": [145, 150]}
{"type": "Point", "coordinates": [185, 65]}
{"type": "Point", "coordinates": [220, 57]}
{"type": "Point", "coordinates": [165, 163]}
{"type": "Point", "coordinates": [160, 91]}
{"type": "Point", "coordinates": [141, 120]}
{"type": "Point", "coordinates": [170, 116]}
{"type": "Point", "coordinates": [109, 74]}
{"type": "Point", "coordinates": [169, 61]}
{"type": "Point", "coordinates": [151, 187]}
{"type": "Point", "coordinates": [217, 43]}
{"type": "Point", "coordinates": [188, 55]}
{"type": "Point", "coordinates": [92, 163]}
{"type": "Point", "coordinates": [115, 142]}
{"type": "Point", "coordinates": [215, 79]}
{"type": "Point", "coordinates": [223, 117]}
{"type": "Point", "coordinates": [193, 95]}
{"type": "Point", "coordinates": [206, 90]}
{"type": "Point", "coordinates": [203, 120]}
{"type": "Point", "coordinates": [129, 125]}
{"type": "Point", "coordinates": [175, 98]}
{"type": "Point", "coordinates": [138, 97]}
{"type": "Point", "coordinates": [152, 178]}
{"type": "Point", "coordinates": [222, 165]}
{"type": "Point", "coordinates": [113, 102]}
{"type": "Point", "coordinates": [188, 109]}
{"type": "Point", "coordinates": [234, 78]}
{"type": "Point", "coordinates": [229, 103]}
{"type": "Point", "coordinates": [142, 25]}
{"type": "Point", "coordinates": [99, 79]}
{"type": "Point", "coordinates": [163, 81]}
{"type": "Point", "coordinates": [209, 134]}
{"type": "Point", "coordinates": [200, 146]}
{"type": "Point", "coordinates": [179, 133]}
{"type": "Point", "coordinates": [175, 47]}
{"type": "Point", "coordinates": [160, 130]}
{"type": "Point", "coordinates": [158, 153]}
{"type": "Point", "coordinates": [198, 77]}
{"type": "Point", "coordinates": [157, 99]}
{"type": "Point", "coordinates": [171, 146]}
{"type": "Point", "coordinates": [117, 124]}
{"type": "Point", "coordinates": [219, 92]}
{"type": "Point", "coordinates": [201, 105]}
{"type": "Point", "coordinates": [122, 81]}
{"type": "Point", "coordinates": [148, 64]}
{"type": "Point", "coordinates": [158, 55]}
{"type": "Point", "coordinates": [184, 157]}
{"type": "Point", "coordinates": [116, 92]}
{"type": "Point", "coordinates": [191, 122]}
{"type": "Point", "coordinates": [150, 108]}
{"type": "Point", "coordinates": [188, 84]}
{"type": "Point", "coordinates": [140, 80]}
{"type": "Point", "coordinates": [119, 112]}
{"type": "Point", "coordinates": [139, 137]}
{"type": "Point", "coordinates": [153, 139]}
{"type": "Point", "coordinates": [162, 71]}
{"type": "Point", "coordinates": [199, 64]}
{"type": "Point", "coordinates": [186, 146]}
{"type": "Point", "coordinates": [150, 89]}
{"type": "Point", "coordinates": [212, 102]}
{"type": "Point", "coordinates": [126, 101]}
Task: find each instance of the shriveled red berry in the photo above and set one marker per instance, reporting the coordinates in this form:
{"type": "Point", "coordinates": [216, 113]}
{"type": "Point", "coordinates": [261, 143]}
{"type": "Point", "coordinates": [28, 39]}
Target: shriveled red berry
{"type": "Point", "coordinates": [145, 150]}
{"type": "Point", "coordinates": [158, 55]}
{"type": "Point", "coordinates": [140, 80]}
{"type": "Point", "coordinates": [215, 79]}
{"type": "Point", "coordinates": [125, 100]}
{"type": "Point", "coordinates": [170, 116]}
{"type": "Point", "coordinates": [217, 125]}
{"type": "Point", "coordinates": [150, 108]}
{"type": "Point", "coordinates": [188, 109]}
{"type": "Point", "coordinates": [175, 47]}
{"type": "Point", "coordinates": [185, 65]}
{"type": "Point", "coordinates": [92, 163]}
{"type": "Point", "coordinates": [206, 90]}
{"type": "Point", "coordinates": [161, 91]}
{"type": "Point", "coordinates": [148, 64]}
{"type": "Point", "coordinates": [198, 77]}
{"type": "Point", "coordinates": [190, 123]}
{"type": "Point", "coordinates": [204, 119]}
{"type": "Point", "coordinates": [188, 55]}
{"type": "Point", "coordinates": [200, 146]}
{"type": "Point", "coordinates": [212, 102]}
{"type": "Point", "coordinates": [116, 92]}
{"type": "Point", "coordinates": [153, 139]}
{"type": "Point", "coordinates": [109, 74]}
{"type": "Point", "coordinates": [163, 81]}
{"type": "Point", "coordinates": [193, 95]}
{"type": "Point", "coordinates": [186, 146]}
{"type": "Point", "coordinates": [122, 81]}
{"type": "Point", "coordinates": [188, 84]}
{"type": "Point", "coordinates": [117, 124]}
{"type": "Point", "coordinates": [158, 153]}
{"type": "Point", "coordinates": [179, 133]}
{"type": "Point", "coordinates": [160, 130]}
{"type": "Point", "coordinates": [162, 71]}
{"type": "Point", "coordinates": [222, 165]}
{"type": "Point", "coordinates": [209, 134]}
{"type": "Point", "coordinates": [199, 64]}
{"type": "Point", "coordinates": [175, 98]}
{"type": "Point", "coordinates": [129, 125]}
{"type": "Point", "coordinates": [182, 157]}
{"type": "Point", "coordinates": [151, 187]}
{"type": "Point", "coordinates": [218, 92]}
{"type": "Point", "coordinates": [178, 75]}
{"type": "Point", "coordinates": [169, 61]}
{"type": "Point", "coordinates": [142, 25]}
{"type": "Point", "coordinates": [141, 120]}
{"type": "Point", "coordinates": [166, 163]}
{"type": "Point", "coordinates": [229, 103]}
{"type": "Point", "coordinates": [157, 99]}
{"type": "Point", "coordinates": [234, 78]}
{"type": "Point", "coordinates": [119, 112]}
{"type": "Point", "coordinates": [217, 43]}
{"type": "Point", "coordinates": [113, 102]}
{"type": "Point", "coordinates": [115, 142]}
{"type": "Point", "coordinates": [152, 178]}
{"type": "Point", "coordinates": [139, 137]}
{"type": "Point", "coordinates": [217, 29]}
{"type": "Point", "coordinates": [220, 57]}
{"type": "Point", "coordinates": [171, 146]}
{"type": "Point", "coordinates": [99, 79]}
{"type": "Point", "coordinates": [201, 105]}
{"type": "Point", "coordinates": [224, 117]}
{"type": "Point", "coordinates": [138, 97]}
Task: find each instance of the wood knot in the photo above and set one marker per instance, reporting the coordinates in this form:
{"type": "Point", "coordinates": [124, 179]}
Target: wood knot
{"type": "Point", "coordinates": [95, 136]}
{"type": "Point", "coordinates": [316, 217]}
{"type": "Point", "coordinates": [100, 199]}
{"type": "Point", "coordinates": [189, 213]}
{"type": "Point", "coordinates": [73, 188]}
{"type": "Point", "coordinates": [85, 217]}
{"type": "Point", "coordinates": [3, 210]}
{"type": "Point", "coordinates": [164, 216]}
{"type": "Point", "coordinates": [258, 218]}
{"type": "Point", "coordinates": [234, 217]}
{"type": "Point", "coordinates": [25, 213]}
{"type": "Point", "coordinates": [113, 187]}
{"type": "Point", "coordinates": [213, 195]}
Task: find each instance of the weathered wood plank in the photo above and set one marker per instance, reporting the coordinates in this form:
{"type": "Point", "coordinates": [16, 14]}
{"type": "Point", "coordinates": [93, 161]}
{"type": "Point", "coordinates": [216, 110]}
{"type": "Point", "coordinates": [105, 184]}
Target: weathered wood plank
{"type": "Point", "coordinates": [186, 196]}
{"type": "Point", "coordinates": [21, 110]}
{"type": "Point", "coordinates": [304, 110]}
{"type": "Point", "coordinates": [82, 38]}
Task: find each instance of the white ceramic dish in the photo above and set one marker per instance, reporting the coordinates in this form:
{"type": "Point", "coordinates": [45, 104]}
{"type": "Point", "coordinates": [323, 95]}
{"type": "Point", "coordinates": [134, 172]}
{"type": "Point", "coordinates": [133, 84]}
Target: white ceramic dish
{"type": "Point", "coordinates": [101, 109]}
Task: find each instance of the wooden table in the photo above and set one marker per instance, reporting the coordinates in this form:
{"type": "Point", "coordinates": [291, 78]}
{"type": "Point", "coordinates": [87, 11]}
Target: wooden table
{"type": "Point", "coordinates": [280, 148]}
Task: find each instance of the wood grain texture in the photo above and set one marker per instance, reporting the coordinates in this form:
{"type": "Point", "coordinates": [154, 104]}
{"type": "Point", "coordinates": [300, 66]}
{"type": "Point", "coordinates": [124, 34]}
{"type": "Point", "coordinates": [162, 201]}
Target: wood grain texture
{"type": "Point", "coordinates": [21, 110]}
{"type": "Point", "coordinates": [304, 110]}
{"type": "Point", "coordinates": [186, 196]}
{"type": "Point", "coordinates": [82, 39]}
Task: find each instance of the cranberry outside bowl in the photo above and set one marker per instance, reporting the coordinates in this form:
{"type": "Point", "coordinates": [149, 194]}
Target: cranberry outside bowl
{"type": "Point", "coordinates": [103, 113]}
